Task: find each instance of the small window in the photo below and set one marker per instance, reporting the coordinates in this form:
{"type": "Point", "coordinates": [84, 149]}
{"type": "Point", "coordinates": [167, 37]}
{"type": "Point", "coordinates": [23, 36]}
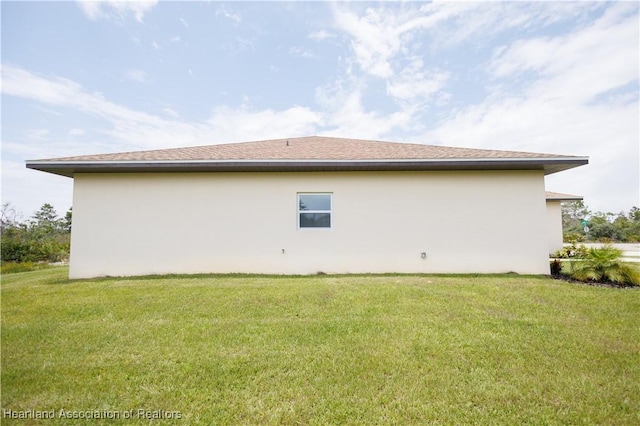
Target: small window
{"type": "Point", "coordinates": [314, 210]}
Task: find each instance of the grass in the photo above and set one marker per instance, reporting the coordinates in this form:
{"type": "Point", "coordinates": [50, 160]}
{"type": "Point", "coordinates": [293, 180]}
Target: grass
{"type": "Point", "coordinates": [321, 350]}
{"type": "Point", "coordinates": [13, 267]}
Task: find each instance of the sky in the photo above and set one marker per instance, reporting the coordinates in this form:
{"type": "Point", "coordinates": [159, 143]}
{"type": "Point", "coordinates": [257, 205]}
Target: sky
{"type": "Point", "coordinates": [105, 76]}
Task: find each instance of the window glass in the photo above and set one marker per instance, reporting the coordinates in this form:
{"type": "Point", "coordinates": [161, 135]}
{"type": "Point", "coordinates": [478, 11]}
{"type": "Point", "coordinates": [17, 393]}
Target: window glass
{"type": "Point", "coordinates": [314, 210]}
{"type": "Point", "coordinates": [314, 201]}
{"type": "Point", "coordinates": [315, 220]}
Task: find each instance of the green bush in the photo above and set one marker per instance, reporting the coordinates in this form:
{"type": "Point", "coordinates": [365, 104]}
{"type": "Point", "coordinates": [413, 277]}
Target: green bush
{"type": "Point", "coordinates": [571, 252]}
{"type": "Point", "coordinates": [44, 238]}
{"type": "Point", "coordinates": [603, 227]}
{"type": "Point", "coordinates": [604, 265]}
{"type": "Point", "coordinates": [572, 237]}
{"type": "Point", "coordinates": [25, 248]}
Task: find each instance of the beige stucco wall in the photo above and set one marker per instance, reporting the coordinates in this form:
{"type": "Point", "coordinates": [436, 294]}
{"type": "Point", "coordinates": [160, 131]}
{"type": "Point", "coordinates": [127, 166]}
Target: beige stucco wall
{"type": "Point", "coordinates": [554, 225]}
{"type": "Point", "coordinates": [133, 224]}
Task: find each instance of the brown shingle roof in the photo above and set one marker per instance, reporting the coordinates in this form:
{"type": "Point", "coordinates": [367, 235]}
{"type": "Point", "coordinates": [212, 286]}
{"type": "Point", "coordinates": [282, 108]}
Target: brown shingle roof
{"type": "Point", "coordinates": [312, 153]}
{"type": "Point", "coordinates": [308, 148]}
{"type": "Point", "coordinates": [557, 196]}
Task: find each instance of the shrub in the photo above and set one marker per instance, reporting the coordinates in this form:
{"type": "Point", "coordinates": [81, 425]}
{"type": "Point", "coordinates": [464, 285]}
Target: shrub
{"type": "Point", "coordinates": [571, 252]}
{"type": "Point", "coordinates": [44, 238]}
{"type": "Point", "coordinates": [572, 237]}
{"type": "Point", "coordinates": [24, 248]}
{"type": "Point", "coordinates": [556, 268]}
{"type": "Point", "coordinates": [604, 264]}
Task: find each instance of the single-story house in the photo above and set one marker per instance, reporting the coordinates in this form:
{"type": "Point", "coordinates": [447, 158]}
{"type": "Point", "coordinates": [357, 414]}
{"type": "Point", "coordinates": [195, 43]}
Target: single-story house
{"type": "Point", "coordinates": [554, 217]}
{"type": "Point", "coordinates": [308, 205]}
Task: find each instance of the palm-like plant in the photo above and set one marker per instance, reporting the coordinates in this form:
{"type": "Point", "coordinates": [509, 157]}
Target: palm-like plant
{"type": "Point", "coordinates": [603, 264]}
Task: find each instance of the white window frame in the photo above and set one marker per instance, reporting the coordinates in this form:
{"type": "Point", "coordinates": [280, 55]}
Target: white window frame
{"type": "Point", "coordinates": [330, 211]}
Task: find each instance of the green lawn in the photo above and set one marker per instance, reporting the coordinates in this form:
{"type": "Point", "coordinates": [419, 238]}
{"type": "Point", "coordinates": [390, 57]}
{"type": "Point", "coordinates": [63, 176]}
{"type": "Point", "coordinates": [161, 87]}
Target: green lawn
{"type": "Point", "coordinates": [321, 350]}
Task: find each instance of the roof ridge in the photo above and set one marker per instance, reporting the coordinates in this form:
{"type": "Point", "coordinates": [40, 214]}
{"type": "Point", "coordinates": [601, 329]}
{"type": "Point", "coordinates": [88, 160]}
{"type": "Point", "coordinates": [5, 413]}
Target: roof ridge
{"type": "Point", "coordinates": [309, 153]}
{"type": "Point", "coordinates": [333, 147]}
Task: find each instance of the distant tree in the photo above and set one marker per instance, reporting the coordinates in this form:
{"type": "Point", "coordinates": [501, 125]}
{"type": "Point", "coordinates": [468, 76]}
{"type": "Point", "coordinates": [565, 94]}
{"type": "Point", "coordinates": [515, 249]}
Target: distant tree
{"type": "Point", "coordinates": [628, 226]}
{"type": "Point", "coordinates": [46, 219]}
{"type": "Point", "coordinates": [43, 238]}
{"type": "Point", "coordinates": [573, 215]}
{"type": "Point", "coordinates": [9, 217]}
{"type": "Point", "coordinates": [602, 226]}
{"type": "Point", "coordinates": [67, 220]}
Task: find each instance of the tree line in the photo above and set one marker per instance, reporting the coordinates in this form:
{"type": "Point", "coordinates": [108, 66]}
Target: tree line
{"type": "Point", "coordinates": [44, 237]}
{"type": "Point", "coordinates": [581, 224]}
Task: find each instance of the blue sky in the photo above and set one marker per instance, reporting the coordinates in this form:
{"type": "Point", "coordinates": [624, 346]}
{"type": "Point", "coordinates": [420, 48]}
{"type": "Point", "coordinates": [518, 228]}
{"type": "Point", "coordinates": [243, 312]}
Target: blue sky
{"type": "Point", "coordinates": [102, 76]}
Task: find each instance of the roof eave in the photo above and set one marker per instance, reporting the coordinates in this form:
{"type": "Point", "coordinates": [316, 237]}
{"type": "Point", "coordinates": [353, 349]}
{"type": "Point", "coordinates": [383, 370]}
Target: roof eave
{"type": "Point", "coordinates": [69, 168]}
{"type": "Point", "coordinates": [564, 197]}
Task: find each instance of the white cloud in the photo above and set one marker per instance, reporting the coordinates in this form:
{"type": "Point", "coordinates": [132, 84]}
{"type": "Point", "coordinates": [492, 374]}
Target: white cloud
{"type": "Point", "coordinates": [386, 44]}
{"type": "Point", "coordinates": [130, 129]}
{"type": "Point", "coordinates": [122, 129]}
{"type": "Point", "coordinates": [244, 124]}
{"type": "Point", "coordinates": [572, 91]}
{"type": "Point", "coordinates": [321, 35]}
{"type": "Point", "coordinates": [64, 92]}
{"type": "Point", "coordinates": [301, 53]}
{"type": "Point", "coordinates": [352, 120]}
{"type": "Point", "coordinates": [381, 33]}
{"type": "Point", "coordinates": [116, 9]}
{"type": "Point", "coordinates": [475, 23]}
{"type": "Point", "coordinates": [346, 115]}
{"type": "Point", "coordinates": [562, 105]}
{"type": "Point", "coordinates": [374, 39]}
{"type": "Point", "coordinates": [567, 93]}
{"type": "Point", "coordinates": [414, 84]}
{"type": "Point", "coordinates": [175, 39]}
{"type": "Point", "coordinates": [22, 83]}
{"type": "Point", "coordinates": [580, 65]}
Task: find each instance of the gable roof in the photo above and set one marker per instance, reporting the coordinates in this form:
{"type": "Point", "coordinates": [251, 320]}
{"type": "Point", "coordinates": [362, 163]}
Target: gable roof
{"type": "Point", "coordinates": [312, 153]}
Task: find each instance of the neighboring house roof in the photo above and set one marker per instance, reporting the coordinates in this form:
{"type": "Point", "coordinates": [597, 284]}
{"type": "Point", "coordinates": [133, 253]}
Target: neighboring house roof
{"type": "Point", "coordinates": [312, 153]}
{"type": "Point", "coordinates": [556, 196]}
